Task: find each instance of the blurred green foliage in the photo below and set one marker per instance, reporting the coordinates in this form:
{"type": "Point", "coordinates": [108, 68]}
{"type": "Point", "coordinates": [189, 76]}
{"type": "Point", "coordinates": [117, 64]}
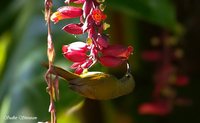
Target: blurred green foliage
{"type": "Point", "coordinates": [23, 48]}
{"type": "Point", "coordinates": [158, 12]}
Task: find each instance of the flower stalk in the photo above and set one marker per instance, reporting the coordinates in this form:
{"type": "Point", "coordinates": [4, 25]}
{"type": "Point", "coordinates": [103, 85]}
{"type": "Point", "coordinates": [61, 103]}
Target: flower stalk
{"type": "Point", "coordinates": [52, 82]}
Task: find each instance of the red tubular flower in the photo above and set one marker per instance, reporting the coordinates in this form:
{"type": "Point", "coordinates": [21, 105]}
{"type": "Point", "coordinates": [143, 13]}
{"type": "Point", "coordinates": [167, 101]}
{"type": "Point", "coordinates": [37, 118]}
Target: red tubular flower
{"type": "Point", "coordinates": [73, 29]}
{"type": "Point", "coordinates": [115, 55]}
{"type": "Point", "coordinates": [98, 15]}
{"type": "Point", "coordinates": [66, 12]}
{"type": "Point", "coordinates": [154, 108]}
{"type": "Point", "coordinates": [110, 61]}
{"type": "Point", "coordinates": [75, 52]}
{"type": "Point", "coordinates": [75, 56]}
{"type": "Point", "coordinates": [118, 51]}
{"type": "Point", "coordinates": [76, 46]}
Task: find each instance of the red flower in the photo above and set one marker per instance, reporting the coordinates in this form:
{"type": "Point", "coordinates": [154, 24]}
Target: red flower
{"type": "Point", "coordinates": [77, 46]}
{"type": "Point", "coordinates": [66, 12]}
{"type": "Point", "coordinates": [115, 55]}
{"type": "Point", "coordinates": [75, 56]}
{"type": "Point", "coordinates": [118, 51]}
{"type": "Point", "coordinates": [73, 29]}
{"type": "Point", "coordinates": [98, 15]}
{"type": "Point", "coordinates": [110, 61]}
{"type": "Point", "coordinates": [75, 52]}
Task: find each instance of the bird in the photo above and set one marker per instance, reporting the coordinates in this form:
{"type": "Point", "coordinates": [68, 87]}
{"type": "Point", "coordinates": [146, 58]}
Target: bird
{"type": "Point", "coordinates": [97, 85]}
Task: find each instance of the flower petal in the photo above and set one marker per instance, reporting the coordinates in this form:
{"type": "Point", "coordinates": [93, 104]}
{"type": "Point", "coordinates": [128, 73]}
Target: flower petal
{"type": "Point", "coordinates": [110, 61]}
{"type": "Point", "coordinates": [71, 11]}
{"type": "Point", "coordinates": [76, 56]}
{"type": "Point", "coordinates": [73, 29]}
{"type": "Point", "coordinates": [98, 15]}
{"type": "Point", "coordinates": [118, 51]}
{"type": "Point", "coordinates": [66, 12]}
{"type": "Point", "coordinates": [75, 46]}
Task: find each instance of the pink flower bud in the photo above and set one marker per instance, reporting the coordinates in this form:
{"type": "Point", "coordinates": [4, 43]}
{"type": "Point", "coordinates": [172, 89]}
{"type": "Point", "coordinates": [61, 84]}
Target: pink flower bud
{"type": "Point", "coordinates": [73, 29]}
{"type": "Point", "coordinates": [118, 51]}
{"type": "Point", "coordinates": [66, 12]}
{"type": "Point", "coordinates": [110, 61]}
{"type": "Point", "coordinates": [151, 55]}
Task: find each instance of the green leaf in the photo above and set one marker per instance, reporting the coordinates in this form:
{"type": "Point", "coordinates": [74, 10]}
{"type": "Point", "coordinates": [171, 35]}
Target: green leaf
{"type": "Point", "coordinates": [159, 12]}
{"type": "Point", "coordinates": [4, 43]}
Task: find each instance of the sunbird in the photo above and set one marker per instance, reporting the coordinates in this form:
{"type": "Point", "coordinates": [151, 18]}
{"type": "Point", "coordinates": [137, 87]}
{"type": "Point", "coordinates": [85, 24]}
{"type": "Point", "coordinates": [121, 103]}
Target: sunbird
{"type": "Point", "coordinates": [97, 85]}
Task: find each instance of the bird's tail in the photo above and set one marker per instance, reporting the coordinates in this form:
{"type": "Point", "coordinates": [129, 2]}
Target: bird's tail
{"type": "Point", "coordinates": [67, 75]}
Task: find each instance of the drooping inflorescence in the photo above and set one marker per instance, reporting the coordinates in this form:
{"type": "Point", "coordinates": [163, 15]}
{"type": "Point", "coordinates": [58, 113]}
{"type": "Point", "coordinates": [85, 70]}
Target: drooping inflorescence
{"type": "Point", "coordinates": [96, 47]}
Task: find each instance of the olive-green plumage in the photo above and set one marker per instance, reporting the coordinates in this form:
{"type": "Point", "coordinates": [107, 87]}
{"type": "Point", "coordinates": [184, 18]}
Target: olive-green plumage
{"type": "Point", "coordinates": [97, 85]}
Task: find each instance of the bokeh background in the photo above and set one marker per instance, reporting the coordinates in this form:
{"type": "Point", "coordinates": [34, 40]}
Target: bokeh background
{"type": "Point", "coordinates": [139, 23]}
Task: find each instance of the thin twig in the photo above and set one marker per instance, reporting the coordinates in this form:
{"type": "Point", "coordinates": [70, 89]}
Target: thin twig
{"type": "Point", "coordinates": [51, 54]}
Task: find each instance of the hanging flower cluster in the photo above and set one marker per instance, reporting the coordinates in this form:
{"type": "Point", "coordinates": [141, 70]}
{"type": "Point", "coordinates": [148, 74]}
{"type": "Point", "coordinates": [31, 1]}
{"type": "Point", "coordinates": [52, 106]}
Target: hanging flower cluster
{"type": "Point", "coordinates": [166, 77]}
{"type": "Point", "coordinates": [96, 47]}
